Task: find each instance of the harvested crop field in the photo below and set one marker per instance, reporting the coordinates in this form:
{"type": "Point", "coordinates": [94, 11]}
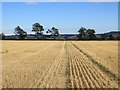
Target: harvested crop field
{"type": "Point", "coordinates": [59, 64]}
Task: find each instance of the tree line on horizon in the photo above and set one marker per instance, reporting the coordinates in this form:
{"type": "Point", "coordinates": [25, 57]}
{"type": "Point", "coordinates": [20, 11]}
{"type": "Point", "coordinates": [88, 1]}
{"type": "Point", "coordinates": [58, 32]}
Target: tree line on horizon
{"type": "Point", "coordinates": [38, 29]}
{"type": "Point", "coordinates": [84, 33]}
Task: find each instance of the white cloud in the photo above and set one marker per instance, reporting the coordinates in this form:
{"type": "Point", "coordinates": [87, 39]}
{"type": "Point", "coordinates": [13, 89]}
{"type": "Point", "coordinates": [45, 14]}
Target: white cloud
{"type": "Point", "coordinates": [31, 2]}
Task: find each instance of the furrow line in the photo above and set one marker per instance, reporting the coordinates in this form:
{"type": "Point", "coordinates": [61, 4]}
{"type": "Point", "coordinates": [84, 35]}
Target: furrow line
{"type": "Point", "coordinates": [50, 72]}
{"type": "Point", "coordinates": [101, 67]}
{"type": "Point", "coordinates": [102, 82]}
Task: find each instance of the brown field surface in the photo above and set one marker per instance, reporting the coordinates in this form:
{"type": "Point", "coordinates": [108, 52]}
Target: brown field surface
{"type": "Point", "coordinates": [104, 52]}
{"type": "Point", "coordinates": [59, 64]}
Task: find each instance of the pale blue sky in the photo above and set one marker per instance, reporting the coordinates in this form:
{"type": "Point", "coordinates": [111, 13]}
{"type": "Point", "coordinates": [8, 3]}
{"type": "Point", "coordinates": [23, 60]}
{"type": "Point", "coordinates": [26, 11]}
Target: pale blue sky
{"type": "Point", "coordinates": [66, 16]}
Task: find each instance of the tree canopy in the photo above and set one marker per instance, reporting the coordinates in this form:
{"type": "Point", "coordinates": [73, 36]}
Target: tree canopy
{"type": "Point", "coordinates": [37, 28]}
{"type": "Point", "coordinates": [86, 34]}
{"type": "Point", "coordinates": [20, 32]}
{"type": "Point", "coordinates": [2, 36]}
{"type": "Point", "coordinates": [54, 32]}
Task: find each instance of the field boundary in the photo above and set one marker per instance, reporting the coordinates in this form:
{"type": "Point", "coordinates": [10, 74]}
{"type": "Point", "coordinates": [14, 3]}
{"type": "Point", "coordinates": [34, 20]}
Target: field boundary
{"type": "Point", "coordinates": [100, 66]}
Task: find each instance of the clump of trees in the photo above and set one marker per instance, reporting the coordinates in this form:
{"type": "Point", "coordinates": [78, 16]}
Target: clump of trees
{"type": "Point", "coordinates": [53, 32]}
{"type": "Point", "coordinates": [38, 29]}
{"type": "Point", "coordinates": [20, 33]}
{"type": "Point", "coordinates": [2, 36]}
{"type": "Point", "coordinates": [86, 34]}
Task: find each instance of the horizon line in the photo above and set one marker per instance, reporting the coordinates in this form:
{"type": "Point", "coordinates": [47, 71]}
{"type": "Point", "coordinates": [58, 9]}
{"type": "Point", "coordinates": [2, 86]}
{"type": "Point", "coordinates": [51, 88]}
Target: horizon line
{"type": "Point", "coordinates": [68, 33]}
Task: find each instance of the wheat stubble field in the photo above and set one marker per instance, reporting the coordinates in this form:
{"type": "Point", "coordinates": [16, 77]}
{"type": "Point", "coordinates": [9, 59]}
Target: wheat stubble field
{"type": "Point", "coordinates": [59, 64]}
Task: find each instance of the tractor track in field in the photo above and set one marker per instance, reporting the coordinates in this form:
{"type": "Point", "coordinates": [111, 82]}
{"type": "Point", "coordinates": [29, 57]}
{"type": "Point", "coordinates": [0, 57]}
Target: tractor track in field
{"type": "Point", "coordinates": [53, 73]}
{"type": "Point", "coordinates": [83, 73]}
{"type": "Point", "coordinates": [100, 66]}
